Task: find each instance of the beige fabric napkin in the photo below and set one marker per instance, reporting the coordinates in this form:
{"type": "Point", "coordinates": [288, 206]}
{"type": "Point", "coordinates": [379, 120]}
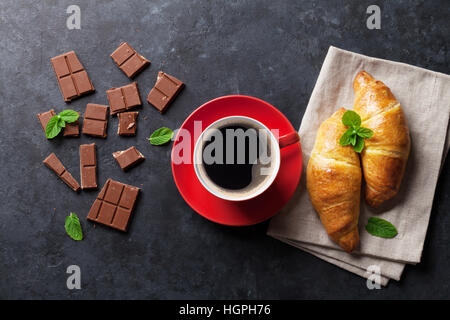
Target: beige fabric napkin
{"type": "Point", "coordinates": [425, 98]}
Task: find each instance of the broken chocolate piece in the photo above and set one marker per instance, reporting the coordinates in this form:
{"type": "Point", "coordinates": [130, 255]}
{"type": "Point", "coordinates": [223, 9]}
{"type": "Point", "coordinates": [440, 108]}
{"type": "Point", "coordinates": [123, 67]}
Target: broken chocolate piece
{"type": "Point", "coordinates": [164, 91]}
{"type": "Point", "coordinates": [72, 129]}
{"type": "Point", "coordinates": [95, 120]}
{"type": "Point", "coordinates": [128, 60]}
{"type": "Point", "coordinates": [88, 166]}
{"type": "Point", "coordinates": [123, 98]}
{"type": "Point", "coordinates": [114, 205]}
{"type": "Point", "coordinates": [73, 79]}
{"type": "Point", "coordinates": [128, 158]}
{"type": "Point", "coordinates": [127, 123]}
{"type": "Point", "coordinates": [55, 164]}
{"type": "Point", "coordinates": [45, 117]}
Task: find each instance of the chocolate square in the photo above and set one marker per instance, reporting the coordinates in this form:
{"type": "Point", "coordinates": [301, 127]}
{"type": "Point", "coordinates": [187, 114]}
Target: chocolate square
{"type": "Point", "coordinates": [128, 158]}
{"type": "Point", "coordinates": [122, 53]}
{"type": "Point", "coordinates": [123, 98]}
{"type": "Point", "coordinates": [53, 163]}
{"type": "Point", "coordinates": [106, 213]}
{"type": "Point", "coordinates": [95, 120]}
{"type": "Point", "coordinates": [95, 209]}
{"type": "Point", "coordinates": [116, 100]}
{"type": "Point", "coordinates": [89, 178]}
{"type": "Point", "coordinates": [70, 181]}
{"type": "Point", "coordinates": [114, 191]}
{"type": "Point", "coordinates": [114, 205]}
{"type": "Point", "coordinates": [164, 92]}
{"type": "Point", "coordinates": [96, 111]}
{"type": "Point", "coordinates": [45, 117]}
{"type": "Point", "coordinates": [73, 62]}
{"type": "Point", "coordinates": [73, 80]}
{"type": "Point", "coordinates": [128, 198]}
{"type": "Point", "coordinates": [68, 89]}
{"type": "Point", "coordinates": [128, 60]}
{"type": "Point", "coordinates": [127, 123]}
{"type": "Point", "coordinates": [72, 129]}
{"type": "Point", "coordinates": [121, 218]}
{"type": "Point", "coordinates": [60, 66]}
{"type": "Point", "coordinates": [82, 82]}
{"type": "Point", "coordinates": [131, 95]}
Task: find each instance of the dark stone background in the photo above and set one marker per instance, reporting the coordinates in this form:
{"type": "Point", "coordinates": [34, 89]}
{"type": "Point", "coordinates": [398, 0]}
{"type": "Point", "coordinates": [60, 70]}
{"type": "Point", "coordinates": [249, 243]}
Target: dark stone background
{"type": "Point", "coordinates": [269, 49]}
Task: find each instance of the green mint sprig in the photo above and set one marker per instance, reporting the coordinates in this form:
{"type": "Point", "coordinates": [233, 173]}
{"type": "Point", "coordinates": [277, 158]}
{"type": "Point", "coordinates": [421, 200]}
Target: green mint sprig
{"type": "Point", "coordinates": [57, 122]}
{"type": "Point", "coordinates": [355, 134]}
{"type": "Point", "coordinates": [160, 136]}
{"type": "Point", "coordinates": [381, 228]}
{"type": "Point", "coordinates": [73, 227]}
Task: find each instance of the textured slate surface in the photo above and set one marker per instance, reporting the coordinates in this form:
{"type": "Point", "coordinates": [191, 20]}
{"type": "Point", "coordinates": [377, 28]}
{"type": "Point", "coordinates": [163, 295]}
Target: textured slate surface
{"type": "Point", "coordinates": [262, 48]}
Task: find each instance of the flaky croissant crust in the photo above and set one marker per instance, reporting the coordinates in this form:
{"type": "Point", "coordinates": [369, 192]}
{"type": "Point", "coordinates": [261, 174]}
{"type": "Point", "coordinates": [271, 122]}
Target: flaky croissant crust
{"type": "Point", "coordinates": [385, 155]}
{"type": "Point", "coordinates": [334, 183]}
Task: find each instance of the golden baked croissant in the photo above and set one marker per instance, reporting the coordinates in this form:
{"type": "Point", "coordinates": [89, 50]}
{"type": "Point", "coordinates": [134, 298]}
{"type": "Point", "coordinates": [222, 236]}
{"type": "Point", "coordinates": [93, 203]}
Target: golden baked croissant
{"type": "Point", "coordinates": [333, 179]}
{"type": "Point", "coordinates": [386, 153]}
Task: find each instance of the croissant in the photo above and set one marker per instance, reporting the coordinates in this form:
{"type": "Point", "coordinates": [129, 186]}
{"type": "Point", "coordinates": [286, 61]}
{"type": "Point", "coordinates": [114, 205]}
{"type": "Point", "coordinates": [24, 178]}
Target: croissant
{"type": "Point", "coordinates": [333, 179]}
{"type": "Point", "coordinates": [386, 153]}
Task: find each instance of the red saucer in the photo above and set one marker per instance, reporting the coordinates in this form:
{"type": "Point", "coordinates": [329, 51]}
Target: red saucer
{"type": "Point", "coordinates": [239, 213]}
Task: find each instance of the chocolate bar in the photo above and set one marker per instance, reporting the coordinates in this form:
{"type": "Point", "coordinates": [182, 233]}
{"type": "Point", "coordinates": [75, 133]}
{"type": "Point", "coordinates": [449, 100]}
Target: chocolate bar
{"type": "Point", "coordinates": [123, 98]}
{"type": "Point", "coordinates": [73, 79]}
{"type": "Point", "coordinates": [88, 166]}
{"type": "Point", "coordinates": [45, 117]}
{"type": "Point", "coordinates": [128, 158]}
{"type": "Point", "coordinates": [95, 120]}
{"type": "Point", "coordinates": [127, 123]}
{"type": "Point", "coordinates": [164, 92]}
{"type": "Point", "coordinates": [114, 205]}
{"type": "Point", "coordinates": [128, 60]}
{"type": "Point", "coordinates": [55, 164]}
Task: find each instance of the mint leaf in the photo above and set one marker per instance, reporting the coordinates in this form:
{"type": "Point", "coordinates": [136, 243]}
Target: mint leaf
{"type": "Point", "coordinates": [355, 135]}
{"type": "Point", "coordinates": [73, 227]}
{"type": "Point", "coordinates": [61, 122]}
{"type": "Point", "coordinates": [381, 228]}
{"type": "Point", "coordinates": [359, 145]}
{"type": "Point", "coordinates": [346, 138]}
{"type": "Point", "coordinates": [353, 140]}
{"type": "Point", "coordinates": [351, 119]}
{"type": "Point", "coordinates": [56, 123]}
{"type": "Point", "coordinates": [365, 133]}
{"type": "Point", "coordinates": [69, 115]}
{"type": "Point", "coordinates": [161, 136]}
{"type": "Point", "coordinates": [53, 128]}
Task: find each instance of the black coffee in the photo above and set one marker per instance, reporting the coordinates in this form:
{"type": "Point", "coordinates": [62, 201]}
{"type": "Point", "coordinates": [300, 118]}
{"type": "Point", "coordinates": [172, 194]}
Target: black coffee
{"type": "Point", "coordinates": [231, 174]}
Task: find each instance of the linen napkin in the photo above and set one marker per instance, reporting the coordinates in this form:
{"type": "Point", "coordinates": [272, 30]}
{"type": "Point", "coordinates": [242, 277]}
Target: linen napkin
{"type": "Point", "coordinates": [425, 98]}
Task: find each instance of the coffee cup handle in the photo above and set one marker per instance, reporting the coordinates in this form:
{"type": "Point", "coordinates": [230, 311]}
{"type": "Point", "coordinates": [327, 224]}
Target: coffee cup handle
{"type": "Point", "coordinates": [288, 139]}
